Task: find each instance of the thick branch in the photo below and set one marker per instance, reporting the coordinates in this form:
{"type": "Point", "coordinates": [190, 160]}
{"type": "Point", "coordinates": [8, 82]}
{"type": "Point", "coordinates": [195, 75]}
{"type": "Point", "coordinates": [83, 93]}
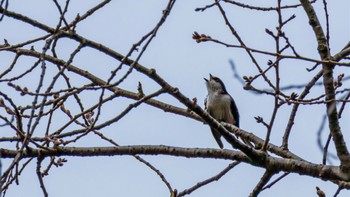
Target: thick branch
{"type": "Point", "coordinates": [332, 113]}
{"type": "Point", "coordinates": [273, 163]}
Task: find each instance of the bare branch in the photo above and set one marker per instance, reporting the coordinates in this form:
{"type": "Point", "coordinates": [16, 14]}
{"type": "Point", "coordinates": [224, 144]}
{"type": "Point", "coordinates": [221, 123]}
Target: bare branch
{"type": "Point", "coordinates": [332, 113]}
{"type": "Point", "coordinates": [207, 181]}
{"type": "Point", "coordinates": [263, 181]}
{"type": "Point", "coordinates": [291, 165]}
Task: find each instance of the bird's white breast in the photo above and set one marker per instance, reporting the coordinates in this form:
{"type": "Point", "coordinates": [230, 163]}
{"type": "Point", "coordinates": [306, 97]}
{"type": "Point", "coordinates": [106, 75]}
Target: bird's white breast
{"type": "Point", "coordinates": [219, 106]}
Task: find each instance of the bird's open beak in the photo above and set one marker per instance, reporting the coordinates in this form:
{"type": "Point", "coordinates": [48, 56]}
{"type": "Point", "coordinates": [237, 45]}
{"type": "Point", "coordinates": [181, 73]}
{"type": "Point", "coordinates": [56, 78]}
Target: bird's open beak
{"type": "Point", "coordinates": [210, 77]}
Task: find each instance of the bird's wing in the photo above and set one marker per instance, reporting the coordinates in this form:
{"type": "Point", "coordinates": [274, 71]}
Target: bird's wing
{"type": "Point", "coordinates": [235, 112]}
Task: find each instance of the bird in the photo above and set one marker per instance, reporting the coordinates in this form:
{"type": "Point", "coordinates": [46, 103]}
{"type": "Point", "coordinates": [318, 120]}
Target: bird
{"type": "Point", "coordinates": [220, 105]}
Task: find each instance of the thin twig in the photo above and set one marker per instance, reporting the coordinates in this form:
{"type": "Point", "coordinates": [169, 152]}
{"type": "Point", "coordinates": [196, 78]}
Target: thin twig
{"type": "Point", "coordinates": [160, 174]}
{"type": "Point", "coordinates": [40, 177]}
{"type": "Point", "coordinates": [210, 180]}
{"type": "Point", "coordinates": [275, 181]}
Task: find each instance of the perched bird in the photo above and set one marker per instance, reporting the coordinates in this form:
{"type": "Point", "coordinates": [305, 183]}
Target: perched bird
{"type": "Point", "coordinates": [220, 105]}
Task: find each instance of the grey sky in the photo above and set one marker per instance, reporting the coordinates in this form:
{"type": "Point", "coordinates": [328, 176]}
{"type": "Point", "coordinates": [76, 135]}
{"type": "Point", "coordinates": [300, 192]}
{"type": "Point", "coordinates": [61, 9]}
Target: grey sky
{"type": "Point", "coordinates": [183, 63]}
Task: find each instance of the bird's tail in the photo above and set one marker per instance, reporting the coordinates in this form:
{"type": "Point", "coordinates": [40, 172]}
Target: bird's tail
{"type": "Point", "coordinates": [217, 137]}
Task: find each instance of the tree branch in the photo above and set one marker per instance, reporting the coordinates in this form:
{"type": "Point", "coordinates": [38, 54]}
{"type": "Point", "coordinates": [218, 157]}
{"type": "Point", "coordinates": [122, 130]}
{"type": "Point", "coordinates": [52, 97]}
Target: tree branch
{"type": "Point", "coordinates": [263, 181]}
{"type": "Point", "coordinates": [276, 164]}
{"type": "Point", "coordinates": [332, 113]}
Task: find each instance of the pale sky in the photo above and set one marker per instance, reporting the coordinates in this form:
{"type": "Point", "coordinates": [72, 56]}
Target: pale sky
{"type": "Point", "coordinates": [183, 63]}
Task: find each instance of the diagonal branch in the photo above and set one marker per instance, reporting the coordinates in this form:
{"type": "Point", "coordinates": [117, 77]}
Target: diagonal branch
{"type": "Point", "coordinates": [295, 109]}
{"type": "Point", "coordinates": [207, 181]}
{"type": "Point", "coordinates": [332, 113]}
{"type": "Point", "coordinates": [263, 181]}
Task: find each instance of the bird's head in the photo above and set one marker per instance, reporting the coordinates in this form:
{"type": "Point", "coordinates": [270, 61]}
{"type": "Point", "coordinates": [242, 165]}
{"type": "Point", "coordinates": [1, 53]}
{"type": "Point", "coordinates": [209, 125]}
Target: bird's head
{"type": "Point", "coordinates": [214, 84]}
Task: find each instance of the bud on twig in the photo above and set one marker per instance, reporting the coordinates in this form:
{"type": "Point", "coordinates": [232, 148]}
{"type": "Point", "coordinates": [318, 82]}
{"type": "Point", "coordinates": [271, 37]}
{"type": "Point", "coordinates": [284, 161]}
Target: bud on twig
{"type": "Point", "coordinates": [200, 38]}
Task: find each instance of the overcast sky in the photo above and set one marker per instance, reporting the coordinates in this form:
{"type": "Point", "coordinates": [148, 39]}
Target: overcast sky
{"type": "Point", "coordinates": [183, 63]}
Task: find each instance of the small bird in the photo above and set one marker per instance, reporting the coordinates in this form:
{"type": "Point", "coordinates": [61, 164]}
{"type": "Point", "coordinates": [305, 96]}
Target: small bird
{"type": "Point", "coordinates": [220, 105]}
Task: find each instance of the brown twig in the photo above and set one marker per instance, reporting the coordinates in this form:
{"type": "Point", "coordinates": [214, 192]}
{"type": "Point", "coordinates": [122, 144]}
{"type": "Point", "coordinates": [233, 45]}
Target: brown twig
{"type": "Point", "coordinates": [275, 181]}
{"type": "Point", "coordinates": [207, 181]}
{"type": "Point", "coordinates": [40, 176]}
